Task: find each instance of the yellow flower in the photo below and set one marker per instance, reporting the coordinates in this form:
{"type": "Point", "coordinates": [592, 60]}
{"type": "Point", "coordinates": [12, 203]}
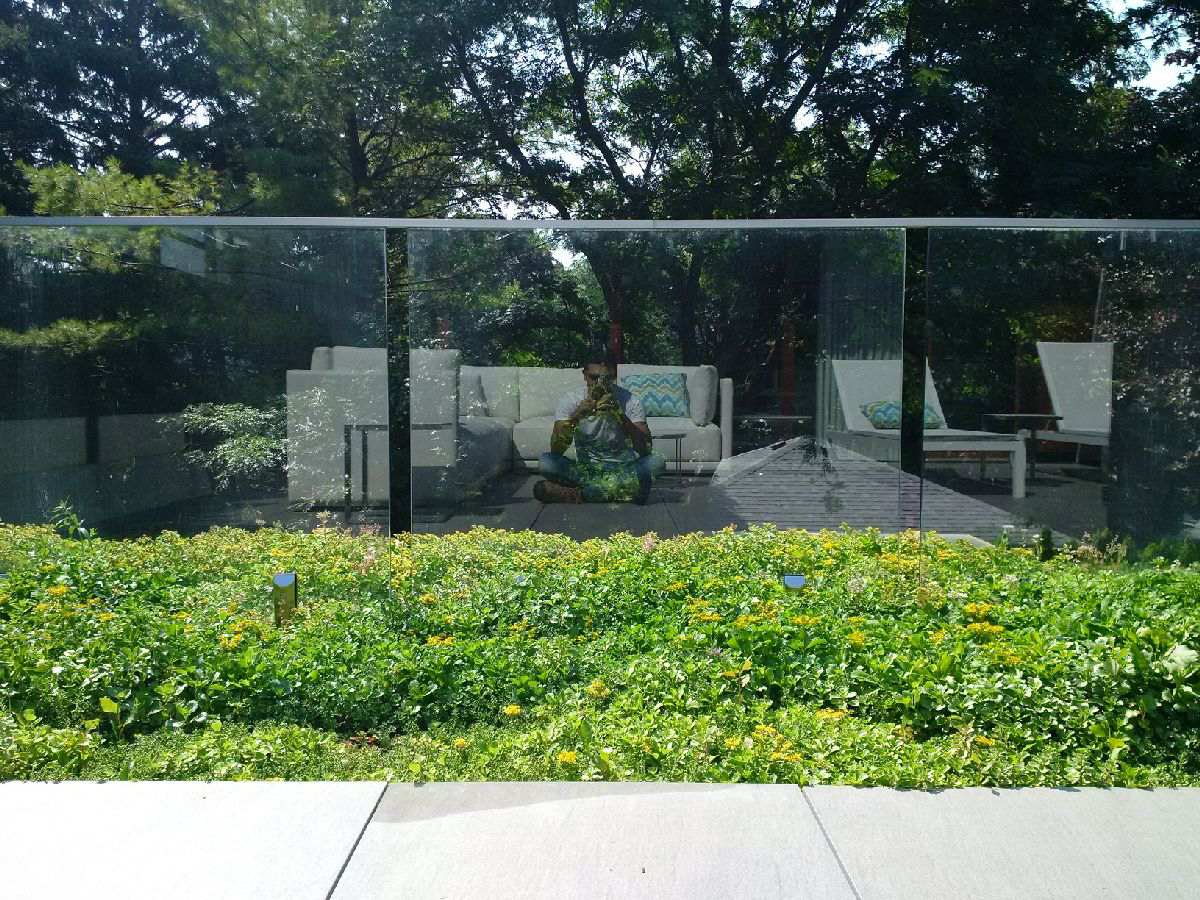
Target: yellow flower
{"type": "Point", "coordinates": [831, 714]}
{"type": "Point", "coordinates": [731, 673]}
{"type": "Point", "coordinates": [106, 617]}
{"type": "Point", "coordinates": [984, 630]}
{"type": "Point", "coordinates": [744, 621]}
{"type": "Point", "coordinates": [984, 741]}
{"type": "Point", "coordinates": [598, 689]}
{"type": "Point", "coordinates": [567, 758]}
{"type": "Point", "coordinates": [512, 710]}
{"type": "Point", "coordinates": [460, 743]}
{"type": "Point", "coordinates": [805, 620]}
{"type": "Point", "coordinates": [439, 640]}
{"type": "Point", "coordinates": [857, 638]}
{"type": "Point", "coordinates": [978, 610]}
{"type": "Point", "coordinates": [937, 637]}
{"type": "Point", "coordinates": [856, 620]}
{"type": "Point", "coordinates": [57, 591]}
{"type": "Point", "coordinates": [733, 743]}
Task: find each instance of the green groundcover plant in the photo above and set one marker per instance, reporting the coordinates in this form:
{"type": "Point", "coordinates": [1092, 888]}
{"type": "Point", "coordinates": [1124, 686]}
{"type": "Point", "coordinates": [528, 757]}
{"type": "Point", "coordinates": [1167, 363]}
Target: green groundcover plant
{"type": "Point", "coordinates": [499, 655]}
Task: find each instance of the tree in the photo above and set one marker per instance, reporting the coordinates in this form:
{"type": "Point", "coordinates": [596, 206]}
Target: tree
{"type": "Point", "coordinates": [333, 103]}
{"type": "Point", "coordinates": [115, 78]}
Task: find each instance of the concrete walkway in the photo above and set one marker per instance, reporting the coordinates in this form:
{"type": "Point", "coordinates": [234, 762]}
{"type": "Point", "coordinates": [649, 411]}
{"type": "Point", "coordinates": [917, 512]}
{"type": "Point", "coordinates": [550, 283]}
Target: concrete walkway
{"type": "Point", "coordinates": [264, 840]}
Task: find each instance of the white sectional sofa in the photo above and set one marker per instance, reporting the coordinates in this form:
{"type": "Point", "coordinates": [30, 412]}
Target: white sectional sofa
{"type": "Point", "coordinates": [471, 422]}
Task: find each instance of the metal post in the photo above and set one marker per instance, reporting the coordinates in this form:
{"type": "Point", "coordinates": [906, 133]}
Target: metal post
{"type": "Point", "coordinates": [365, 501]}
{"type": "Point", "coordinates": [284, 591]}
{"type": "Point", "coordinates": [348, 485]}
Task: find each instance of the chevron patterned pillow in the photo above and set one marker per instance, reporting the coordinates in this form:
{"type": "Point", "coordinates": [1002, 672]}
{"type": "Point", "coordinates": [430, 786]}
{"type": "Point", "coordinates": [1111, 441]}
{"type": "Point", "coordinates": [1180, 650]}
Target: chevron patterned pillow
{"type": "Point", "coordinates": [661, 394]}
{"type": "Point", "coordinates": [883, 413]}
{"type": "Point", "coordinates": [886, 414]}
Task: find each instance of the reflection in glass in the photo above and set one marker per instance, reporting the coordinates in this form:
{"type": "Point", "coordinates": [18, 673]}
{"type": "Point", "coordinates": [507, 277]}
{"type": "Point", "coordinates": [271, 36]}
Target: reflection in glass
{"type": "Point", "coordinates": [187, 377]}
{"type": "Point", "coordinates": [727, 343]}
{"type": "Point", "coordinates": [1082, 346]}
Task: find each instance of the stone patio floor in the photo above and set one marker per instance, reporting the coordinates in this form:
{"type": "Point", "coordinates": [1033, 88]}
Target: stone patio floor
{"type": "Point", "coordinates": [371, 841]}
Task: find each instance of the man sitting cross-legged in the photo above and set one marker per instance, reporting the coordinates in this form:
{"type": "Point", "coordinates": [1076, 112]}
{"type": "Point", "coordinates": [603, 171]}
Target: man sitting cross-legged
{"type": "Point", "coordinates": [607, 424]}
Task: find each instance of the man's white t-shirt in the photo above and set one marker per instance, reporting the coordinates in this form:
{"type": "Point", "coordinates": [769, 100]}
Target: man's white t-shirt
{"type": "Point", "coordinates": [598, 439]}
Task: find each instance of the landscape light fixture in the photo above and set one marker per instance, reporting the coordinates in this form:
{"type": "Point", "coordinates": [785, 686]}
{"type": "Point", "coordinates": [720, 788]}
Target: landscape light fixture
{"type": "Point", "coordinates": [794, 582]}
{"type": "Point", "coordinates": [284, 593]}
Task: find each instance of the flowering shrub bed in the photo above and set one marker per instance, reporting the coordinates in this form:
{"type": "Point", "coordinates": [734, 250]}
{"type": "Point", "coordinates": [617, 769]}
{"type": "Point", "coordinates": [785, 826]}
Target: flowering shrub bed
{"type": "Point", "coordinates": [495, 655]}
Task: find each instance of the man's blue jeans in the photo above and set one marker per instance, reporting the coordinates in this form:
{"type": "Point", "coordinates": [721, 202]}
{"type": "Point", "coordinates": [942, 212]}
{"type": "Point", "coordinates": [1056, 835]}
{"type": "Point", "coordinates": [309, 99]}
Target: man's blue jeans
{"type": "Point", "coordinates": [616, 483]}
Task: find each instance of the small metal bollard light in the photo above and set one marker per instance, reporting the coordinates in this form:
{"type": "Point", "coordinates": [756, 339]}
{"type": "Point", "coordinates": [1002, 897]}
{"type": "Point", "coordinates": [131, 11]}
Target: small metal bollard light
{"type": "Point", "coordinates": [284, 593]}
{"type": "Point", "coordinates": [794, 582]}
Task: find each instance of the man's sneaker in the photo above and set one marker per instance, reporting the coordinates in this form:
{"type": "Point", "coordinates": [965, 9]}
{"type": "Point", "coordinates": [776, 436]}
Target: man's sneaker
{"type": "Point", "coordinates": [549, 492]}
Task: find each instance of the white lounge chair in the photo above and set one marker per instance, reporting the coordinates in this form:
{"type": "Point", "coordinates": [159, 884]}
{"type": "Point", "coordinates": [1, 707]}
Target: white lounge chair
{"type": "Point", "coordinates": [1079, 378]}
{"type": "Point", "coordinates": [863, 381]}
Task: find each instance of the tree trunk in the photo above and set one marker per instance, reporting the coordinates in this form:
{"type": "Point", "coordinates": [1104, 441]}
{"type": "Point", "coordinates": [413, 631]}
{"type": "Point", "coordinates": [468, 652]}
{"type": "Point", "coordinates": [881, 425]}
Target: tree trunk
{"type": "Point", "coordinates": [360, 172]}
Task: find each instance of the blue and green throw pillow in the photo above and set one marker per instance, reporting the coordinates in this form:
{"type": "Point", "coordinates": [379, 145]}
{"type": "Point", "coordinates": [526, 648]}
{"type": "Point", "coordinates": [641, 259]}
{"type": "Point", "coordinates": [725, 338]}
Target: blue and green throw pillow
{"type": "Point", "coordinates": [661, 394]}
{"type": "Point", "coordinates": [885, 414]}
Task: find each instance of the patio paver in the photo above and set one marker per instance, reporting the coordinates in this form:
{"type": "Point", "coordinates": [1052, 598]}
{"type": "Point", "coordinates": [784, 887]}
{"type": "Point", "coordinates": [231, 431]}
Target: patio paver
{"type": "Point", "coordinates": [499, 840]}
{"type": "Point", "coordinates": [1024, 844]}
{"type": "Point", "coordinates": [179, 839]}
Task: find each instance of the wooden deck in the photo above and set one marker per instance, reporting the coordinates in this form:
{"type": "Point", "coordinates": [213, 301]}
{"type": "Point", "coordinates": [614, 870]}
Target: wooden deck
{"type": "Point", "coordinates": [792, 485]}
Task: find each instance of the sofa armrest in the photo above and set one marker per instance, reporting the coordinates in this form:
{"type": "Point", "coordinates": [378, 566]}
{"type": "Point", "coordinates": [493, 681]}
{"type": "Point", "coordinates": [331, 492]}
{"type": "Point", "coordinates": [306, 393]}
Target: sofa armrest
{"type": "Point", "coordinates": [726, 413]}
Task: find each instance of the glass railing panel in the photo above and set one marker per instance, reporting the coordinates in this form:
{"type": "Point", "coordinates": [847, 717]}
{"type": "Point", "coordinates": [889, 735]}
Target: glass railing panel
{"type": "Point", "coordinates": [186, 377]}
{"type": "Point", "coordinates": [1072, 358]}
{"type": "Point", "coordinates": [744, 349]}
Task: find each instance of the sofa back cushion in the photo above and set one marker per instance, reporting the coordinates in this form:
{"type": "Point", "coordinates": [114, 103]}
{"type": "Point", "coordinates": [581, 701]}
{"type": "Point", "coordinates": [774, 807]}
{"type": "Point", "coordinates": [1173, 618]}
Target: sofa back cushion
{"type": "Point", "coordinates": [434, 387]}
{"type": "Point", "coordinates": [359, 358]}
{"type": "Point", "coordinates": [322, 359]}
{"type": "Point", "coordinates": [541, 389]}
{"type": "Point", "coordinates": [660, 393]}
{"type": "Point", "coordinates": [471, 400]}
{"type": "Point", "coordinates": [500, 391]}
{"type": "Point", "coordinates": [701, 387]}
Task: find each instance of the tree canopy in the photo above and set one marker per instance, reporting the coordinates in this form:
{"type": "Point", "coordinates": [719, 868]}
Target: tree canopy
{"type": "Point", "coordinates": [611, 108]}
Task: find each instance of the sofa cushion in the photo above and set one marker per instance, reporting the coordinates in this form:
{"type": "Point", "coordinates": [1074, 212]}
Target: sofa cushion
{"type": "Point", "coordinates": [542, 388]}
{"type": "Point", "coordinates": [660, 393]}
{"type": "Point", "coordinates": [484, 448]}
{"type": "Point", "coordinates": [700, 443]}
{"type": "Point", "coordinates": [471, 401]}
{"type": "Point", "coordinates": [434, 388]}
{"type": "Point", "coordinates": [531, 437]}
{"type": "Point", "coordinates": [499, 389]}
{"type": "Point", "coordinates": [701, 386]}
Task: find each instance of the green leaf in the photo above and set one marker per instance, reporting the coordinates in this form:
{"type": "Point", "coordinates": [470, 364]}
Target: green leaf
{"type": "Point", "coordinates": [108, 705]}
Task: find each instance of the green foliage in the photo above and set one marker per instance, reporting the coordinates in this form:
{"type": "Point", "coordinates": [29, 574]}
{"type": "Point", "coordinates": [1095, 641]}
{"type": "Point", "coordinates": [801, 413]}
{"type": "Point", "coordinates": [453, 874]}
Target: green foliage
{"type": "Point", "coordinates": [30, 749]}
{"type": "Point", "coordinates": [61, 190]}
{"type": "Point", "coordinates": [70, 337]}
{"type": "Point", "coordinates": [232, 441]}
{"type": "Point", "coordinates": [519, 655]}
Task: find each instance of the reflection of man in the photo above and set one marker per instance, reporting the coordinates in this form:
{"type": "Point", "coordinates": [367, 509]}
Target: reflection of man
{"type": "Point", "coordinates": [612, 443]}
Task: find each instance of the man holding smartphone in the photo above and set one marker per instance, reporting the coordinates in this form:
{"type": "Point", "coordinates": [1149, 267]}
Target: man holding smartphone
{"type": "Point", "coordinates": [614, 461]}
